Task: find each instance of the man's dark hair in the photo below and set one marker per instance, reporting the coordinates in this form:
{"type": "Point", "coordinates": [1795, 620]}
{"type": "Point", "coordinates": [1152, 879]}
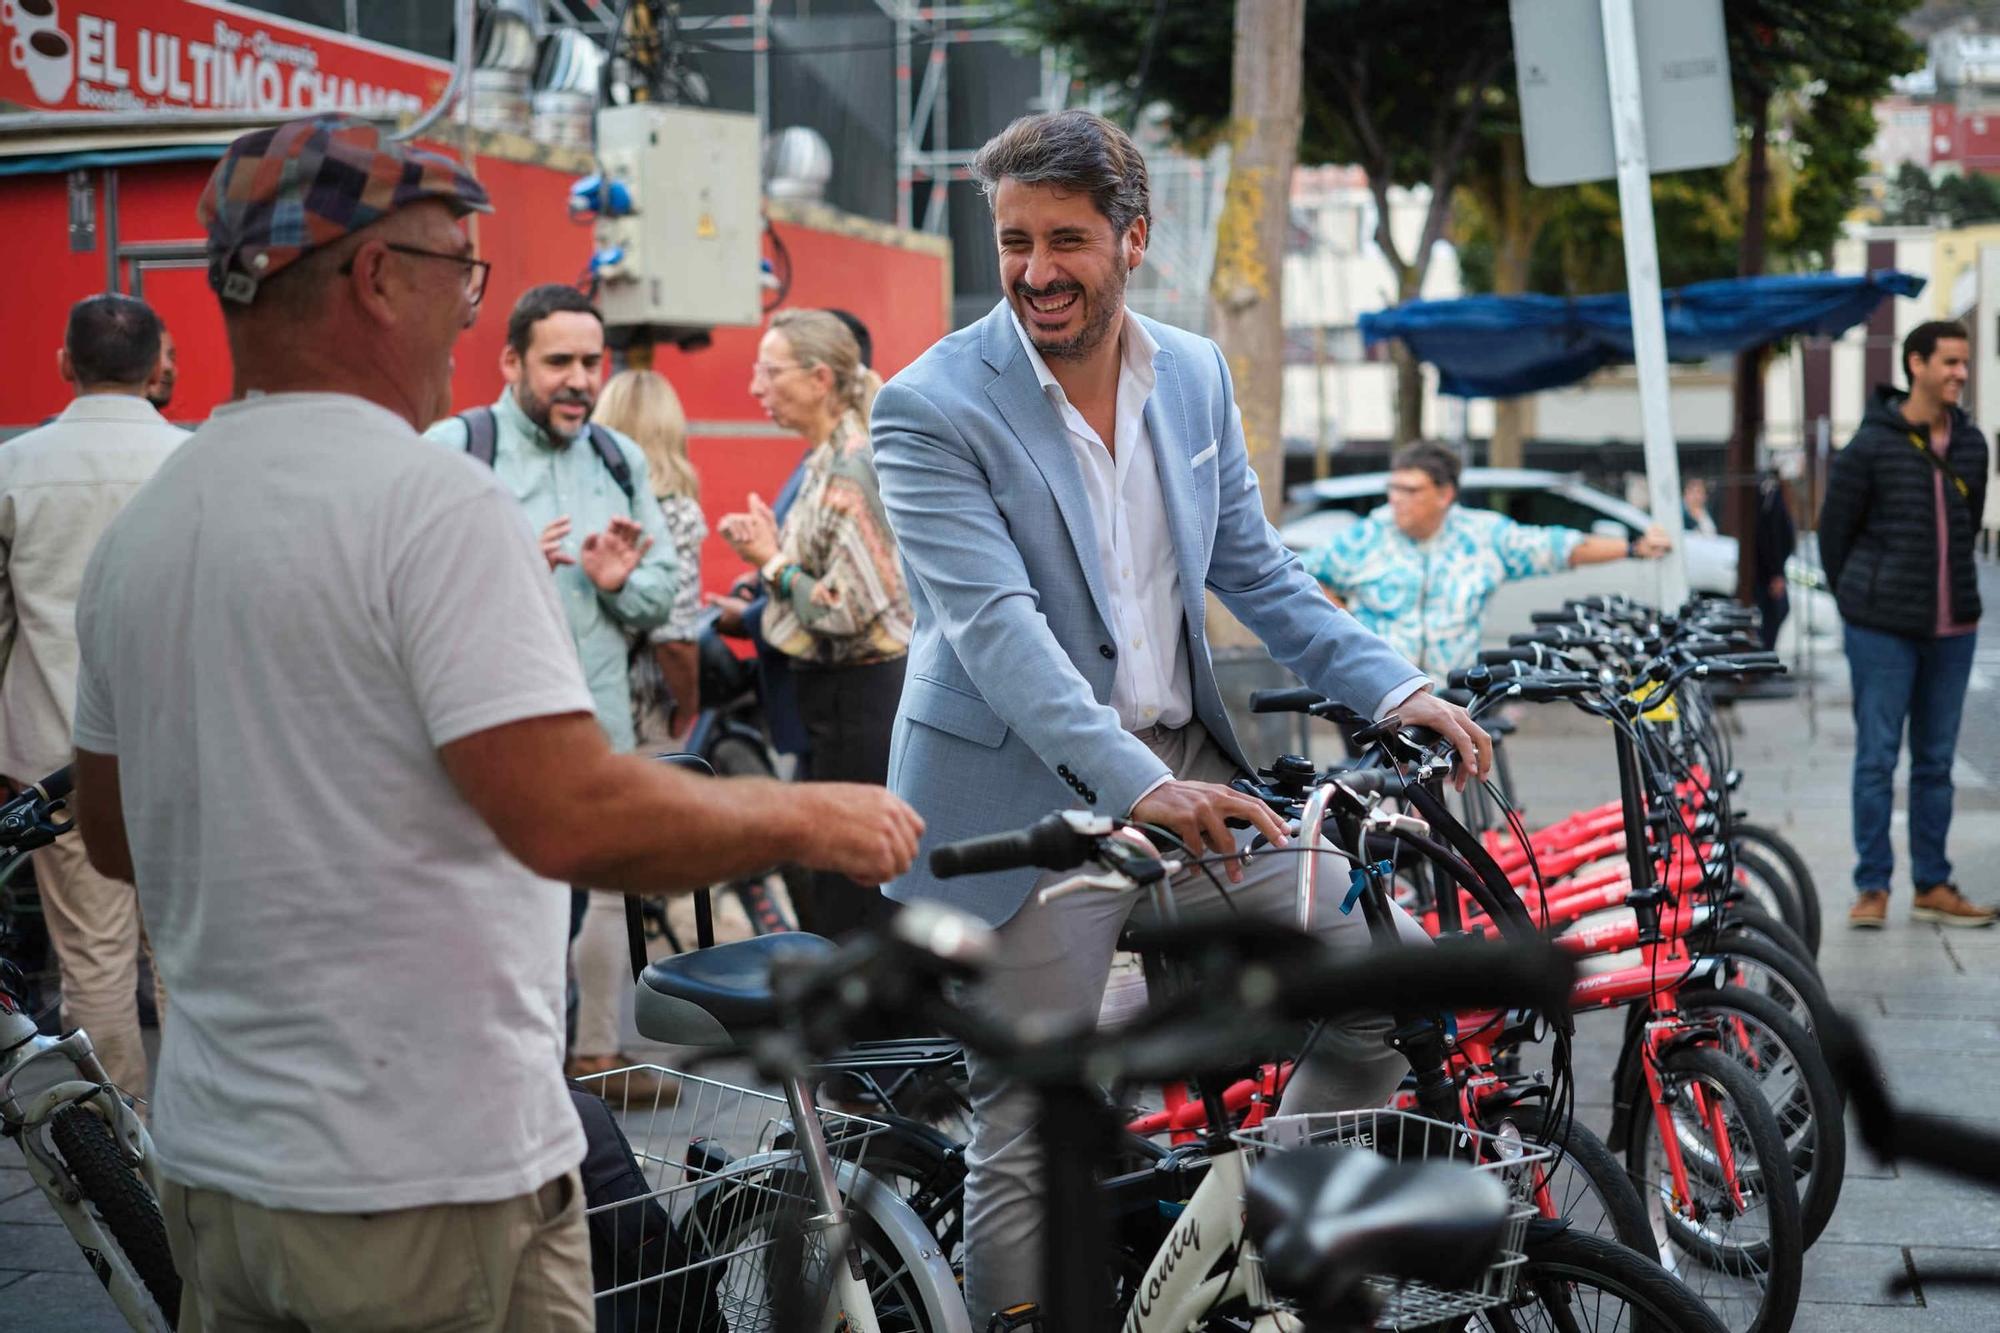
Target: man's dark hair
{"type": "Point", "coordinates": [537, 304]}
{"type": "Point", "coordinates": [1077, 151]}
{"type": "Point", "coordinates": [862, 339]}
{"type": "Point", "coordinates": [1430, 458]}
{"type": "Point", "coordinates": [112, 339]}
{"type": "Point", "coordinates": [1923, 340]}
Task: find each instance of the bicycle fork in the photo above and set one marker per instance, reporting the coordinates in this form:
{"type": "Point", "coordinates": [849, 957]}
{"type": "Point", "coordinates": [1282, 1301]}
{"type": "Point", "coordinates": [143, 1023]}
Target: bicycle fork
{"type": "Point", "coordinates": [850, 1306]}
{"type": "Point", "coordinates": [1661, 1038]}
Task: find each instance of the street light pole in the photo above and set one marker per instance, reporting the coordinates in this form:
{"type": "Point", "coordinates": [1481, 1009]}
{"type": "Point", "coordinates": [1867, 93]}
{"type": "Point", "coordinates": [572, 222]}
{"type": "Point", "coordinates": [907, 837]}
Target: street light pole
{"type": "Point", "coordinates": [1642, 286]}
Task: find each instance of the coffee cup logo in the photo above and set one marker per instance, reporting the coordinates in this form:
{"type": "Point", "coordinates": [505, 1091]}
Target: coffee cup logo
{"type": "Point", "coordinates": [39, 48]}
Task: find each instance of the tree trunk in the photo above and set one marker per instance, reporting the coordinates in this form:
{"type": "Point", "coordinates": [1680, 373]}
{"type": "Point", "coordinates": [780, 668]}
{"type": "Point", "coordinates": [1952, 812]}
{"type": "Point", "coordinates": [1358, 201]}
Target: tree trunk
{"type": "Point", "coordinates": [1739, 480]}
{"type": "Point", "coordinates": [1515, 227]}
{"type": "Point", "coordinates": [1246, 314]}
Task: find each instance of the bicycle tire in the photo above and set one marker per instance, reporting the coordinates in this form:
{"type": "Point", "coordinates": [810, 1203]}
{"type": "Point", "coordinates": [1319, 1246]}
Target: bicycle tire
{"type": "Point", "coordinates": [1622, 1210]}
{"type": "Point", "coordinates": [123, 1202]}
{"type": "Point", "coordinates": [1753, 1282]}
{"type": "Point", "coordinates": [1561, 1267]}
{"type": "Point", "coordinates": [1759, 884]}
{"type": "Point", "coordinates": [1757, 922]}
{"type": "Point", "coordinates": [1810, 1114]}
{"type": "Point", "coordinates": [927, 1171]}
{"type": "Point", "coordinates": [1794, 868]}
{"type": "Point", "coordinates": [1763, 968]}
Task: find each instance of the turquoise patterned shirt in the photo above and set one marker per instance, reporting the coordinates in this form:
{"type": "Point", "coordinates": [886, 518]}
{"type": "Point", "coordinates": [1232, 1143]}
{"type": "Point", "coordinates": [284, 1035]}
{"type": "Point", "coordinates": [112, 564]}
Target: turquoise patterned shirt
{"type": "Point", "coordinates": [1426, 598]}
{"type": "Point", "coordinates": [552, 478]}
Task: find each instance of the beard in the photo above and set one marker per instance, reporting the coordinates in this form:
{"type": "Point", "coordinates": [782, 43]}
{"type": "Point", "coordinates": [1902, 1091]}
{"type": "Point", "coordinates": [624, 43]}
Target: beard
{"type": "Point", "coordinates": [541, 411]}
{"type": "Point", "coordinates": [1101, 305]}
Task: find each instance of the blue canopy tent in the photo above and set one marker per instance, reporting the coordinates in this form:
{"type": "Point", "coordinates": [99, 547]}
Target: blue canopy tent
{"type": "Point", "coordinates": [1500, 346]}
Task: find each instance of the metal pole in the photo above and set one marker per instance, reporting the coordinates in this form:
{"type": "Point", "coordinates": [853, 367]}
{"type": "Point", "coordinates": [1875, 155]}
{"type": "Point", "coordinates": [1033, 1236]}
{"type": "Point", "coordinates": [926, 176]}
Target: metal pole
{"type": "Point", "coordinates": [461, 73]}
{"type": "Point", "coordinates": [1642, 285]}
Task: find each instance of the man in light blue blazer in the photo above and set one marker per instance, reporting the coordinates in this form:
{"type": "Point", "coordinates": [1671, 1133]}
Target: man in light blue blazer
{"type": "Point", "coordinates": [1067, 480]}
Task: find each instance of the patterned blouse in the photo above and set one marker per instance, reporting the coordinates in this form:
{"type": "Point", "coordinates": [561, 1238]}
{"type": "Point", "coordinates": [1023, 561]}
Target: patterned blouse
{"type": "Point", "coordinates": [1426, 599]}
{"type": "Point", "coordinates": [652, 701]}
{"type": "Point", "coordinates": [840, 600]}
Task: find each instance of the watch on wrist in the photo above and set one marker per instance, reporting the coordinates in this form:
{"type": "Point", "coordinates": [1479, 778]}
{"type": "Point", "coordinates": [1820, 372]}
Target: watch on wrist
{"type": "Point", "coordinates": [772, 568]}
{"type": "Point", "coordinates": [1632, 548]}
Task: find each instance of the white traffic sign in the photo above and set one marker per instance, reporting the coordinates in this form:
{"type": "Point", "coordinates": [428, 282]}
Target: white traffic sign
{"type": "Point", "coordinates": [1559, 61]}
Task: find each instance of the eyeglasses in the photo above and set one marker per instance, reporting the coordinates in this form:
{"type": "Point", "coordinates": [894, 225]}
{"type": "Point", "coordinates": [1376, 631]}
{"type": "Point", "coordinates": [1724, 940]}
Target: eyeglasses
{"type": "Point", "coordinates": [476, 270]}
{"type": "Point", "coordinates": [765, 370]}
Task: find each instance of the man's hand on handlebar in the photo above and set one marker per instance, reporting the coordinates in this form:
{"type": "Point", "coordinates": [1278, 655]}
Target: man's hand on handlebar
{"type": "Point", "coordinates": [1198, 813]}
{"type": "Point", "coordinates": [1454, 724]}
{"type": "Point", "coordinates": [860, 831]}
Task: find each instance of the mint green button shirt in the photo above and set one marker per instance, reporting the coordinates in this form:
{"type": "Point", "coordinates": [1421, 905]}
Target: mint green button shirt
{"type": "Point", "coordinates": [551, 478]}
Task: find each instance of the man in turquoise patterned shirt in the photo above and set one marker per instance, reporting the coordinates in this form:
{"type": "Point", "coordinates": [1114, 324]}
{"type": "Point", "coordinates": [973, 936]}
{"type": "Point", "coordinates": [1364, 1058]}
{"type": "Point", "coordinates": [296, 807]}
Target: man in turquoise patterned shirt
{"type": "Point", "coordinates": [1419, 571]}
{"type": "Point", "coordinates": [609, 551]}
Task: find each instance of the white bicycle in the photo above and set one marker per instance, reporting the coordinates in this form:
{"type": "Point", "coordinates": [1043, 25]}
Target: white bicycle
{"type": "Point", "coordinates": [85, 1148]}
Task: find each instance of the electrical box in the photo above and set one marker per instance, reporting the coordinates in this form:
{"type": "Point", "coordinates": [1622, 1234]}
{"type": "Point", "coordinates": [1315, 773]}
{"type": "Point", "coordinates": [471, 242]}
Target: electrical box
{"type": "Point", "coordinates": [689, 254]}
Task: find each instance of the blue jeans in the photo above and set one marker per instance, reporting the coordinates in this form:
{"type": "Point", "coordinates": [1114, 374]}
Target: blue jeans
{"type": "Point", "coordinates": [1921, 681]}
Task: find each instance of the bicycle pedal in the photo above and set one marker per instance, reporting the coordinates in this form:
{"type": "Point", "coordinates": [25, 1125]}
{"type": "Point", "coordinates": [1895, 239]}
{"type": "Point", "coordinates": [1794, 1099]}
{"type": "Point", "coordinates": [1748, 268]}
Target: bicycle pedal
{"type": "Point", "coordinates": [1023, 1318]}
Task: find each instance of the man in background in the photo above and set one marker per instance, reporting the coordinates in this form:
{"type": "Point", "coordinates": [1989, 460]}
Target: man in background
{"type": "Point", "coordinates": [1420, 570]}
{"type": "Point", "coordinates": [161, 391]}
{"type": "Point", "coordinates": [60, 487]}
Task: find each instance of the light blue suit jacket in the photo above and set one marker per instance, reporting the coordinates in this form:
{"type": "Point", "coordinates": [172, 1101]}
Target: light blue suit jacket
{"type": "Point", "coordinates": [1005, 713]}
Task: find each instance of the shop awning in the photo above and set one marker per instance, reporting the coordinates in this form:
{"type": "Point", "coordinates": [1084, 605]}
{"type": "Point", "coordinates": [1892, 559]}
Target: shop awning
{"type": "Point", "coordinates": [1500, 346]}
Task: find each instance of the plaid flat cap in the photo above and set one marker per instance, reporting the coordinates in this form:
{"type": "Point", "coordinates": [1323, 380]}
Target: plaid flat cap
{"type": "Point", "coordinates": [279, 194]}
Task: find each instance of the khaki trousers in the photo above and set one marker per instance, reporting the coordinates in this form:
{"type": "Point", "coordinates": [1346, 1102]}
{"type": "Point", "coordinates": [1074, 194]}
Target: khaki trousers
{"type": "Point", "coordinates": [94, 924]}
{"type": "Point", "coordinates": [520, 1265]}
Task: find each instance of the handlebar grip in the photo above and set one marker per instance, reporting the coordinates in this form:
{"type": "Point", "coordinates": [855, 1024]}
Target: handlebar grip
{"type": "Point", "coordinates": [1298, 700]}
{"type": "Point", "coordinates": [1501, 656]}
{"type": "Point", "coordinates": [1049, 843]}
{"type": "Point", "coordinates": [1552, 617]}
{"type": "Point", "coordinates": [1371, 781]}
{"type": "Point", "coordinates": [56, 786]}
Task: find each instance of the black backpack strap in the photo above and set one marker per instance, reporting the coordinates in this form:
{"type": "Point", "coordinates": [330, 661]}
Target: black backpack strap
{"type": "Point", "coordinates": [481, 434]}
{"type": "Point", "coordinates": [613, 458]}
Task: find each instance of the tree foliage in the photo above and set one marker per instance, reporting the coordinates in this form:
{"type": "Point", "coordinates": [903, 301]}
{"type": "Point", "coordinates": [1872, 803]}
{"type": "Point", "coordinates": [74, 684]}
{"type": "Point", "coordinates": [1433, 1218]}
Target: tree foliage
{"type": "Point", "coordinates": [1915, 200]}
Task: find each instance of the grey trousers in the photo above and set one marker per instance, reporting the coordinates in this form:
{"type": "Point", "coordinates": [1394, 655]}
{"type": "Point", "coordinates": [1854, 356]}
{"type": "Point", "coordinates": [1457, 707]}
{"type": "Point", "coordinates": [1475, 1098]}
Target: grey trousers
{"type": "Point", "coordinates": [1053, 962]}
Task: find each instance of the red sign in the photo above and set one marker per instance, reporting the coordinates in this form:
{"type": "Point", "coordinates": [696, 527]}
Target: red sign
{"type": "Point", "coordinates": [154, 55]}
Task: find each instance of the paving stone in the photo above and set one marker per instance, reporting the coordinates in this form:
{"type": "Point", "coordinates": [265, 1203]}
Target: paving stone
{"type": "Point", "coordinates": [39, 1248]}
{"type": "Point", "coordinates": [29, 1207]}
{"type": "Point", "coordinates": [1839, 1273]}
{"type": "Point", "coordinates": [58, 1303]}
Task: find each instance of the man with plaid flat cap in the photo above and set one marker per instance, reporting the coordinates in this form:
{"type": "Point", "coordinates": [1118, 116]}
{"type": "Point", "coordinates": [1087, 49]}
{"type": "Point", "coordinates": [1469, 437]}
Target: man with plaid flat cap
{"type": "Point", "coordinates": [331, 723]}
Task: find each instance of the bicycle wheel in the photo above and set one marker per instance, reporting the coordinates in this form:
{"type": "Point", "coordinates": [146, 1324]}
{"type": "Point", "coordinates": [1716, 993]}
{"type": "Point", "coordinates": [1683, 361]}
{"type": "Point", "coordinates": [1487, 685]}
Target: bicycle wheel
{"type": "Point", "coordinates": [1574, 1283]}
{"type": "Point", "coordinates": [124, 1204]}
{"type": "Point", "coordinates": [926, 1170]}
{"type": "Point", "coordinates": [1796, 1084]}
{"type": "Point", "coordinates": [1765, 888]}
{"type": "Point", "coordinates": [764, 1253]}
{"type": "Point", "coordinates": [1762, 967]}
{"type": "Point", "coordinates": [1735, 1237]}
{"type": "Point", "coordinates": [1586, 1186]}
{"type": "Point", "coordinates": [1779, 852]}
{"type": "Point", "coordinates": [1759, 924]}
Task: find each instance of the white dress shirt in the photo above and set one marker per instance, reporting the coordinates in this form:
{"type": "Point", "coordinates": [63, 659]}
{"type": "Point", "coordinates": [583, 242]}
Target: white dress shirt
{"type": "Point", "coordinates": [1135, 550]}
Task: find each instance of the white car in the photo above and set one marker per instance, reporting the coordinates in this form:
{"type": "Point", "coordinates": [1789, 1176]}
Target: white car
{"type": "Point", "coordinates": [1319, 509]}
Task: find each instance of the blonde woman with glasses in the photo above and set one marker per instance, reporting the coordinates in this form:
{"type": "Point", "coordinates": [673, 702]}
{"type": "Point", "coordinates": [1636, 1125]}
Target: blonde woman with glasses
{"type": "Point", "coordinates": [838, 607]}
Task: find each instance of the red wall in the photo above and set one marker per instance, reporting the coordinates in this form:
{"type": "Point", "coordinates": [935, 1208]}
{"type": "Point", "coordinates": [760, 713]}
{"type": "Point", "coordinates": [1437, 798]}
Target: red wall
{"type": "Point", "coordinates": [900, 293]}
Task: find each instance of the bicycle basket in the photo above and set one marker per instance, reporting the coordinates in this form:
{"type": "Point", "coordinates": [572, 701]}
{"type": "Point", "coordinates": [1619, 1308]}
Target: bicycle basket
{"type": "Point", "coordinates": [715, 1229]}
{"type": "Point", "coordinates": [1404, 1137]}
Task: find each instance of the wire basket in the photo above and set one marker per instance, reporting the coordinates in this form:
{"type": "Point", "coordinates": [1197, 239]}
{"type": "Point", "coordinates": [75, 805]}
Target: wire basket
{"type": "Point", "coordinates": [1404, 1137]}
{"type": "Point", "coordinates": [722, 1206]}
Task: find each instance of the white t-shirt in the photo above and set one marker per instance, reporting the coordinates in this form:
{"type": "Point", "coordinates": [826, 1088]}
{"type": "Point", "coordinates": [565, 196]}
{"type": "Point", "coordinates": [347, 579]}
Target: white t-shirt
{"type": "Point", "coordinates": [365, 990]}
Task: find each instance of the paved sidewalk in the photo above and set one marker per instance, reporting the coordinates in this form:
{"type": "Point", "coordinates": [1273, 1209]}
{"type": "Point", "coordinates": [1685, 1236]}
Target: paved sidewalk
{"type": "Point", "coordinates": [1929, 998]}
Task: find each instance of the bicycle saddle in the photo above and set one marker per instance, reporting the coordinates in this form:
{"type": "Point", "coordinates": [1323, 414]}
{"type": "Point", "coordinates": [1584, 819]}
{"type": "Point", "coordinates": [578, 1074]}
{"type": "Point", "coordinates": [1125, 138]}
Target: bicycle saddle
{"type": "Point", "coordinates": [1326, 1218]}
{"type": "Point", "coordinates": [719, 995]}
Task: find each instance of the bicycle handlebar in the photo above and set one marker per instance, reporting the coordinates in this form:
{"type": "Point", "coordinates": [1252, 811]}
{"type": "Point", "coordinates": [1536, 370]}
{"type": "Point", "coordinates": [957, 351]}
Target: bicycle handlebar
{"type": "Point", "coordinates": [1300, 700]}
{"type": "Point", "coordinates": [1060, 841]}
{"type": "Point", "coordinates": [24, 819]}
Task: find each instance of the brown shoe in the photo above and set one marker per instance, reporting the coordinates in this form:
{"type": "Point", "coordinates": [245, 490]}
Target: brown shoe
{"type": "Point", "coordinates": [1870, 910]}
{"type": "Point", "coordinates": [1945, 905]}
{"type": "Point", "coordinates": [624, 1082]}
